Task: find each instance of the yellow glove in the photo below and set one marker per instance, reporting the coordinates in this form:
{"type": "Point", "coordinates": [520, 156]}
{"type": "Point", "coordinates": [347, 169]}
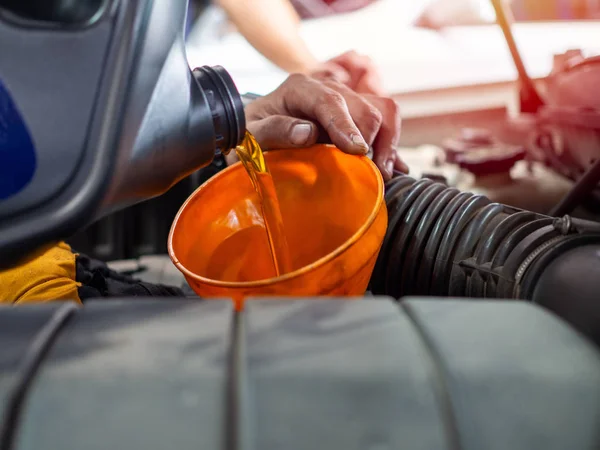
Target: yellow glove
{"type": "Point", "coordinates": [46, 275]}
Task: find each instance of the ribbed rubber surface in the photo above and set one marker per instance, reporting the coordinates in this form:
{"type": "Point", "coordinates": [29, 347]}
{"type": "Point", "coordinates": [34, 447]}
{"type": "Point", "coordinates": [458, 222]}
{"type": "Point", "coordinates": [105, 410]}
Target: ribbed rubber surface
{"type": "Point", "coordinates": [304, 375]}
{"type": "Point", "coordinates": [445, 243]}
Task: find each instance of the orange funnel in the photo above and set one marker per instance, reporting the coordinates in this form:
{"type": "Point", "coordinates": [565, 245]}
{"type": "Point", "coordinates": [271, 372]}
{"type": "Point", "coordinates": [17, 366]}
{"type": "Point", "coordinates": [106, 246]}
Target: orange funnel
{"type": "Point", "coordinates": [334, 217]}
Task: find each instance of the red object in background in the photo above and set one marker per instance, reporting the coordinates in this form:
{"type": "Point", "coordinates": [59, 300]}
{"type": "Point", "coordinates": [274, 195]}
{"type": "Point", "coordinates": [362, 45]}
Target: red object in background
{"type": "Point", "coordinates": [478, 152]}
{"type": "Point", "coordinates": [548, 10]}
{"type": "Point", "coordinates": [310, 9]}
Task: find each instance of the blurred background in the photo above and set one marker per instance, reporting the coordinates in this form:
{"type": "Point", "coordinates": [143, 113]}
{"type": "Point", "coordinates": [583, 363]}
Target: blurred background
{"type": "Point", "coordinates": [417, 44]}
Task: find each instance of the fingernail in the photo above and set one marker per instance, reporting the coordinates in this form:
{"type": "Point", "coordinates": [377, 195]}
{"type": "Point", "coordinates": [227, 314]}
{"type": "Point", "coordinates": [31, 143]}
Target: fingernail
{"type": "Point", "coordinates": [389, 167]}
{"type": "Point", "coordinates": [301, 133]}
{"type": "Point", "coordinates": [359, 143]}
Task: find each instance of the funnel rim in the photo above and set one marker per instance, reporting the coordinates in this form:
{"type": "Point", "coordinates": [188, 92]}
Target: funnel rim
{"type": "Point", "coordinates": [302, 270]}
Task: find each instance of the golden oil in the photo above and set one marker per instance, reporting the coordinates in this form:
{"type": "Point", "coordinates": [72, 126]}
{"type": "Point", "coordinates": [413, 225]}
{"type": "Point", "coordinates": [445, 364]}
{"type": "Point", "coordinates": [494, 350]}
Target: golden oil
{"type": "Point", "coordinates": [252, 157]}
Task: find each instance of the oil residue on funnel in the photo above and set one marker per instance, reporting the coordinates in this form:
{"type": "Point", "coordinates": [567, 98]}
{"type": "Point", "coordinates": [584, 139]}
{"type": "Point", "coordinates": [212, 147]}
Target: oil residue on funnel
{"type": "Point", "coordinates": [251, 156]}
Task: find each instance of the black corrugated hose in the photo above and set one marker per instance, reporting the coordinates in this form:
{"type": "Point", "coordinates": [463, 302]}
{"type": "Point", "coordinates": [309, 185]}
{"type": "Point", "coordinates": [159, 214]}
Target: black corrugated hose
{"type": "Point", "coordinates": [443, 242]}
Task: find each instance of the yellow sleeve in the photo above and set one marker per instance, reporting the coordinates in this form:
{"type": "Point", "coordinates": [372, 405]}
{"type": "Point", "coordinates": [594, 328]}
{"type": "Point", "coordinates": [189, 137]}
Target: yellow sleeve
{"type": "Point", "coordinates": [46, 275]}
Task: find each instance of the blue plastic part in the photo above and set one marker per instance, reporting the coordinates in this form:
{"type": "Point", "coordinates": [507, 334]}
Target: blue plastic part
{"type": "Point", "coordinates": [17, 151]}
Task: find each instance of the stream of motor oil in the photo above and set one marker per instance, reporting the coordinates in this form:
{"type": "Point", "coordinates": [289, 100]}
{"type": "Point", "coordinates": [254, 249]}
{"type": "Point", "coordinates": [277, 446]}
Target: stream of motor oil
{"type": "Point", "coordinates": [251, 156]}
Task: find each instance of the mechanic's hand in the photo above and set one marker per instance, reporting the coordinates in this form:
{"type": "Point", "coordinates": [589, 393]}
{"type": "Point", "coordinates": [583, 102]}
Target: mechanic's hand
{"type": "Point", "coordinates": [354, 70]}
{"type": "Point", "coordinates": [302, 109]}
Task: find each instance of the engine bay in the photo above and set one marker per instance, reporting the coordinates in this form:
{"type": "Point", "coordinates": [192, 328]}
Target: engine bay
{"type": "Point", "coordinates": [348, 303]}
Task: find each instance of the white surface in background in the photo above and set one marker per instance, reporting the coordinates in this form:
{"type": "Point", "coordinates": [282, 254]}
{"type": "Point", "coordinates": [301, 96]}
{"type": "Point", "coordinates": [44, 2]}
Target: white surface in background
{"type": "Point", "coordinates": [410, 59]}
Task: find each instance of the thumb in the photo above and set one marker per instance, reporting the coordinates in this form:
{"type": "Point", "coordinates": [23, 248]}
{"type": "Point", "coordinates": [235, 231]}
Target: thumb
{"type": "Point", "coordinates": [277, 132]}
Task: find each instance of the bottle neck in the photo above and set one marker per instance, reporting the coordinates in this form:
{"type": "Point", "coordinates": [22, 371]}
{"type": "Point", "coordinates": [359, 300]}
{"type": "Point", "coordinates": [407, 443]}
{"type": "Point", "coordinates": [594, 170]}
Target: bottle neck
{"type": "Point", "coordinates": [225, 104]}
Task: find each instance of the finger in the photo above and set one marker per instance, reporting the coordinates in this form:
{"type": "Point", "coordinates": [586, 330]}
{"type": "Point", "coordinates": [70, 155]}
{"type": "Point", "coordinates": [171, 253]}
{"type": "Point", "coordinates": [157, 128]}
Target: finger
{"type": "Point", "coordinates": [400, 165]}
{"type": "Point", "coordinates": [396, 165]}
{"type": "Point", "coordinates": [331, 71]}
{"type": "Point", "coordinates": [354, 62]}
{"type": "Point", "coordinates": [303, 96]}
{"type": "Point", "coordinates": [231, 158]}
{"type": "Point", "coordinates": [367, 117]}
{"type": "Point", "coordinates": [277, 132]}
{"type": "Point", "coordinates": [364, 76]}
{"type": "Point", "coordinates": [370, 84]}
{"type": "Point", "coordinates": [384, 148]}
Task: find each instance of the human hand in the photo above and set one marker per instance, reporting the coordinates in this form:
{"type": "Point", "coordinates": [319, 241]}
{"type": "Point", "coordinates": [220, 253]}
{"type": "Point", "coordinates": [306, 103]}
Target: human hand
{"type": "Point", "coordinates": [356, 71]}
{"type": "Point", "coordinates": [303, 109]}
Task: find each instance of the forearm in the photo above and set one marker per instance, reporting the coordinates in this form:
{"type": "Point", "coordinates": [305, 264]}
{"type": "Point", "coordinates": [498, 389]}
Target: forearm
{"type": "Point", "coordinates": [272, 28]}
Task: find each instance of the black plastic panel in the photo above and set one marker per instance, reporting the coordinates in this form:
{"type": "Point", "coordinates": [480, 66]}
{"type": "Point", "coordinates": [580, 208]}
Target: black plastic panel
{"type": "Point", "coordinates": [142, 229]}
{"type": "Point", "coordinates": [18, 327]}
{"type": "Point", "coordinates": [349, 375]}
{"type": "Point", "coordinates": [307, 374]}
{"type": "Point", "coordinates": [145, 375]}
{"type": "Point", "coordinates": [516, 376]}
